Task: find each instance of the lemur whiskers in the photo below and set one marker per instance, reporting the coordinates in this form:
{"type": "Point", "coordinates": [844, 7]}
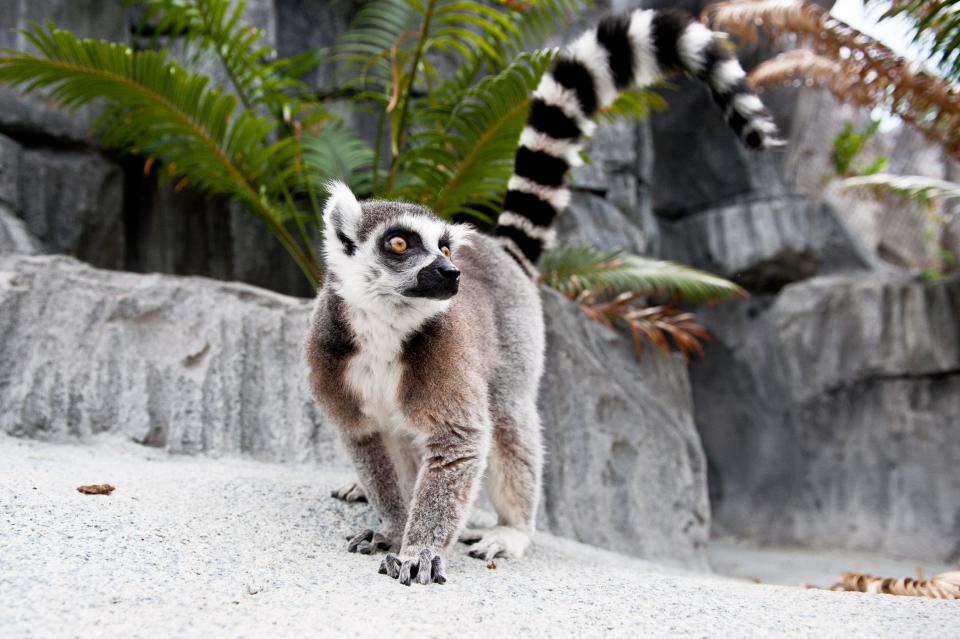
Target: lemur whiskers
{"type": "Point", "coordinates": [426, 345]}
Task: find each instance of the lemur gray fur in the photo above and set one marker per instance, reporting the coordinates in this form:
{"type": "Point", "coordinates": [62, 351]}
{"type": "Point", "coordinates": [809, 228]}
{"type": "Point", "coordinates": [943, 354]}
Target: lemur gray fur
{"type": "Point", "coordinates": [426, 345]}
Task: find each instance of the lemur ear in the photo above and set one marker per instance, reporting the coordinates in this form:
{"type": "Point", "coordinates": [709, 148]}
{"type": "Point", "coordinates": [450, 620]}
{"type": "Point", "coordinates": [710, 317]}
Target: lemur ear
{"type": "Point", "coordinates": [341, 218]}
{"type": "Point", "coordinates": [461, 234]}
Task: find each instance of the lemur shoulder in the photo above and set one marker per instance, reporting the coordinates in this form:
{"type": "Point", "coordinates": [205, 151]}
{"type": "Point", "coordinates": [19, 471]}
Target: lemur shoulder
{"type": "Point", "coordinates": [426, 344]}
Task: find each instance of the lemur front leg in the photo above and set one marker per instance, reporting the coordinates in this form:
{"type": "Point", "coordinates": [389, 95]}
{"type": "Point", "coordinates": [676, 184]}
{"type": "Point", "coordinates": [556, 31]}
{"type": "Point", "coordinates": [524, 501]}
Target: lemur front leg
{"type": "Point", "coordinates": [446, 487]}
{"type": "Point", "coordinates": [382, 489]}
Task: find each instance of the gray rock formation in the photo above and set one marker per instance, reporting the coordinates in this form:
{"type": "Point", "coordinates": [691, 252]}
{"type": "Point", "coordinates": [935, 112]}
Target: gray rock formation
{"type": "Point", "coordinates": [624, 469]}
{"type": "Point", "coordinates": [198, 366]}
{"type": "Point", "coordinates": [14, 235]}
{"type": "Point", "coordinates": [188, 364]}
{"type": "Point", "coordinates": [829, 415]}
{"type": "Point", "coordinates": [765, 243]}
{"type": "Point", "coordinates": [34, 116]}
{"type": "Point", "coordinates": [10, 153]}
{"type": "Point", "coordinates": [73, 202]}
{"type": "Point", "coordinates": [591, 219]}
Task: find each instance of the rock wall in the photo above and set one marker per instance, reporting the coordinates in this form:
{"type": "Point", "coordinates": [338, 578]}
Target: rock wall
{"type": "Point", "coordinates": [187, 364]}
{"type": "Point", "coordinates": [829, 415]}
{"type": "Point", "coordinates": [198, 366]}
{"type": "Point", "coordinates": [625, 469]}
{"type": "Point", "coordinates": [827, 402]}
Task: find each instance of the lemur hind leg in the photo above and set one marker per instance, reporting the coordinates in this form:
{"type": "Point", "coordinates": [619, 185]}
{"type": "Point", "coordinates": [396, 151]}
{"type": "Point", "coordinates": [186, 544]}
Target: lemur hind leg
{"type": "Point", "coordinates": [513, 484]}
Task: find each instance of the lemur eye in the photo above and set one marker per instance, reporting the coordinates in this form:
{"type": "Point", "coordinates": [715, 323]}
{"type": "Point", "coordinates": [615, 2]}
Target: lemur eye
{"type": "Point", "coordinates": [446, 251]}
{"type": "Point", "coordinates": [398, 244]}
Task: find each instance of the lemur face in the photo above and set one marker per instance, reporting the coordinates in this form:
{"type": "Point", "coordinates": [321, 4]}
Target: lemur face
{"type": "Point", "coordinates": [390, 254]}
{"type": "Point", "coordinates": [405, 250]}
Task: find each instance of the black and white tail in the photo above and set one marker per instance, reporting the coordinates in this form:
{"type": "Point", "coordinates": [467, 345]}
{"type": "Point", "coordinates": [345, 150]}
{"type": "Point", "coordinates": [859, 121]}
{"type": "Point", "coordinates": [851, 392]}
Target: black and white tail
{"type": "Point", "coordinates": [625, 50]}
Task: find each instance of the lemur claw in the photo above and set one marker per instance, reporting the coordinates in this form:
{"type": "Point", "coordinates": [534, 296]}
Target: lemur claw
{"type": "Point", "coordinates": [368, 541]}
{"type": "Point", "coordinates": [351, 492]}
{"type": "Point", "coordinates": [425, 568]}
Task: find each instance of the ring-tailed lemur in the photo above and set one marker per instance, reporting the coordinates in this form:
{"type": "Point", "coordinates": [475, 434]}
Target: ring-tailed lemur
{"type": "Point", "coordinates": [426, 344]}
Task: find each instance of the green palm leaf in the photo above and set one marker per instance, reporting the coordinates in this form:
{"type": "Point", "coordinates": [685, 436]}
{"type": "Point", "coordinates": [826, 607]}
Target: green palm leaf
{"type": "Point", "coordinates": [913, 187]}
{"type": "Point", "coordinates": [463, 165]}
{"type": "Point", "coordinates": [584, 271]}
{"type": "Point", "coordinates": [259, 77]}
{"type": "Point", "coordinates": [156, 108]}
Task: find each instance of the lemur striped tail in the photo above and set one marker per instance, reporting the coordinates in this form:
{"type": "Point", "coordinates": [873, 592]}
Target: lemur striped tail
{"type": "Point", "coordinates": [624, 50]}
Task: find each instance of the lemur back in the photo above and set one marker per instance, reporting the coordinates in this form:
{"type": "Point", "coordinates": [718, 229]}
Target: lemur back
{"type": "Point", "coordinates": [426, 344]}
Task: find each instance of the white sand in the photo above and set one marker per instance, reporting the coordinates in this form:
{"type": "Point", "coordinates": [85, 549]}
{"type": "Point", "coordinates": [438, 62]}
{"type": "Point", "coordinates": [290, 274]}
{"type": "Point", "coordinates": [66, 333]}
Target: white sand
{"type": "Point", "coordinates": [194, 547]}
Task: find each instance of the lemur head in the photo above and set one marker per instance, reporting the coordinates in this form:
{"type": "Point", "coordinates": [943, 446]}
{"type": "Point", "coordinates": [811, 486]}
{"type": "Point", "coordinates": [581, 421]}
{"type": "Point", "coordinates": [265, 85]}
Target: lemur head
{"type": "Point", "coordinates": [389, 253]}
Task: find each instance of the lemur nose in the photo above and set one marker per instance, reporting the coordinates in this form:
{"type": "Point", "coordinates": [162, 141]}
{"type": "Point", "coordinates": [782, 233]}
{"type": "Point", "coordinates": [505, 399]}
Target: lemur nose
{"type": "Point", "coordinates": [449, 271]}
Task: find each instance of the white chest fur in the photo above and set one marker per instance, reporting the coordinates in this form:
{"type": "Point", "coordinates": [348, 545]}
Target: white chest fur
{"type": "Point", "coordinates": [374, 372]}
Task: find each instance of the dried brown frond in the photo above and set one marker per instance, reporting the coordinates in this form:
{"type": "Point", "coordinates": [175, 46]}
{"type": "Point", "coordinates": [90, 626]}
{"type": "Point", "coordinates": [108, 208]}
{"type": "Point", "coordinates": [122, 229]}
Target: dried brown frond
{"type": "Point", "coordinates": [871, 74]}
{"type": "Point", "coordinates": [745, 18]}
{"type": "Point", "coordinates": [943, 586]}
{"type": "Point", "coordinates": [659, 325]}
{"type": "Point", "coordinates": [799, 64]}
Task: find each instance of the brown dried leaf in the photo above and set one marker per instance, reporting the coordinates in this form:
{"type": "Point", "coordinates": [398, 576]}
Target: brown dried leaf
{"type": "Point", "coordinates": [492, 565]}
{"type": "Point", "coordinates": [96, 489]}
{"type": "Point", "coordinates": [867, 72]}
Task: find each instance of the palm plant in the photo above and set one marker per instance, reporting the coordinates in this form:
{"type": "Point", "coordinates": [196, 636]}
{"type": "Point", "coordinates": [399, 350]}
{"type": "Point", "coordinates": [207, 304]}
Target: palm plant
{"type": "Point", "coordinates": [615, 287]}
{"type": "Point", "coordinates": [447, 79]}
{"type": "Point", "coordinates": [936, 26]}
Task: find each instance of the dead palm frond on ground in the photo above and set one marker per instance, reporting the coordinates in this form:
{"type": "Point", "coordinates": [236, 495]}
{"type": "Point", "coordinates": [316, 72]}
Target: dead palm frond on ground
{"type": "Point", "coordinates": [943, 586]}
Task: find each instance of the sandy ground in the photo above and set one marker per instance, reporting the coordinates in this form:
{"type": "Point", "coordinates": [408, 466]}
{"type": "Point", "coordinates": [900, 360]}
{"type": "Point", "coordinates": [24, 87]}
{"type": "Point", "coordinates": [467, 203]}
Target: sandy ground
{"type": "Point", "coordinates": [193, 547]}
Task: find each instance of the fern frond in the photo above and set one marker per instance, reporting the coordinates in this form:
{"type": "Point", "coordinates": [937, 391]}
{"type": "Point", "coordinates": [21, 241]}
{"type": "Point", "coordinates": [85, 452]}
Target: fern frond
{"type": "Point", "coordinates": [463, 165]}
{"type": "Point", "coordinates": [581, 272]}
{"type": "Point", "coordinates": [258, 75]}
{"type": "Point", "coordinates": [869, 73]}
{"type": "Point", "coordinates": [918, 188]}
{"type": "Point", "coordinates": [337, 153]}
{"type": "Point", "coordinates": [635, 104]}
{"type": "Point", "coordinates": [798, 64]}
{"type": "Point", "coordinates": [154, 107]}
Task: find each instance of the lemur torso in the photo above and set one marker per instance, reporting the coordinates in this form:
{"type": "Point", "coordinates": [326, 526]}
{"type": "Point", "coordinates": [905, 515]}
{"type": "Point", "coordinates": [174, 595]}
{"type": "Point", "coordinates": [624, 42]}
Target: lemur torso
{"type": "Point", "coordinates": [426, 345]}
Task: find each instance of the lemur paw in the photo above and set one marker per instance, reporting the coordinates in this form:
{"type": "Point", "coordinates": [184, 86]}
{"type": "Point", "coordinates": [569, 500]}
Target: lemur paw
{"type": "Point", "coordinates": [499, 541]}
{"type": "Point", "coordinates": [425, 567]}
{"type": "Point", "coordinates": [367, 542]}
{"type": "Point", "coordinates": [470, 536]}
{"type": "Point", "coordinates": [350, 492]}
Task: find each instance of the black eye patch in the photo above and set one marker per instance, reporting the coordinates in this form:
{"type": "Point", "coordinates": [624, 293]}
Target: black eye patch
{"type": "Point", "coordinates": [413, 240]}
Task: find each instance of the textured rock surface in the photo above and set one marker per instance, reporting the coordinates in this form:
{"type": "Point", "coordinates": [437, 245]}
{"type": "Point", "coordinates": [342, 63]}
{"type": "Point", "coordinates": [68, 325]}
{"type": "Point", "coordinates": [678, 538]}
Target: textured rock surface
{"type": "Point", "coordinates": [14, 236]}
{"type": "Point", "coordinates": [829, 415]}
{"type": "Point", "coordinates": [73, 202]}
{"type": "Point", "coordinates": [765, 243]}
{"type": "Point", "coordinates": [624, 469]}
{"type": "Point", "coordinates": [186, 364]}
{"type": "Point", "coordinates": [34, 116]}
{"type": "Point", "coordinates": [10, 154]}
{"type": "Point", "coordinates": [591, 219]}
